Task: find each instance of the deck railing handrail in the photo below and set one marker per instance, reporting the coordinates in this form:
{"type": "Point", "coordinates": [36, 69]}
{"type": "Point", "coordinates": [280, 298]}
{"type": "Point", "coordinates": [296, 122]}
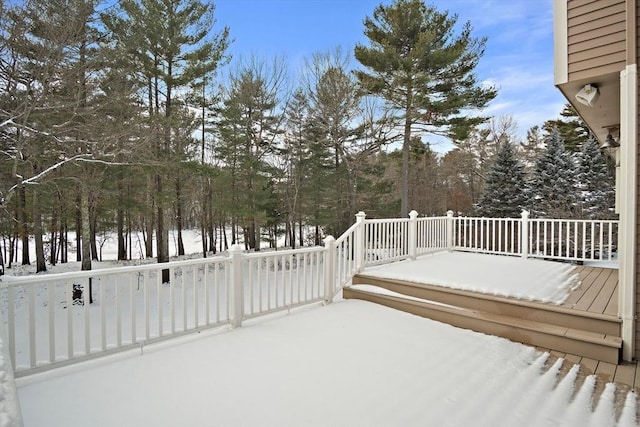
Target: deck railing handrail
{"type": "Point", "coordinates": [136, 305]}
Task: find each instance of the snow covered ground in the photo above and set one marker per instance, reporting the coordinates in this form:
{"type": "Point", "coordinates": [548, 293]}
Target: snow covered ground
{"type": "Point", "coordinates": [529, 279]}
{"type": "Point", "coordinates": [351, 363]}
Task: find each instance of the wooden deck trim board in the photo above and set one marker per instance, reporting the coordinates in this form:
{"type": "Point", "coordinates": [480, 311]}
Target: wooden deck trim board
{"type": "Point", "coordinates": [547, 313]}
{"type": "Point", "coordinates": [636, 378]}
{"type": "Point", "coordinates": [625, 374]}
{"type": "Point", "coordinates": [586, 276]}
{"type": "Point", "coordinates": [601, 300]}
{"type": "Point", "coordinates": [587, 298]}
{"type": "Point", "coordinates": [528, 332]}
{"type": "Point", "coordinates": [366, 279]}
{"type": "Point", "coordinates": [612, 307]}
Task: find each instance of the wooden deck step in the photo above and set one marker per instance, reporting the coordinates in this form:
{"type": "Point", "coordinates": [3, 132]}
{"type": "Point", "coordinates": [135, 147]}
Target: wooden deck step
{"type": "Point", "coordinates": [605, 324]}
{"type": "Point", "coordinates": [589, 344]}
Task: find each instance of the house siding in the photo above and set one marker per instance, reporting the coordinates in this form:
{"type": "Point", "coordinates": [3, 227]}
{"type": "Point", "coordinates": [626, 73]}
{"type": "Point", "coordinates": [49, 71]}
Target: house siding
{"type": "Point", "coordinates": [637, 222]}
{"type": "Point", "coordinates": [596, 38]}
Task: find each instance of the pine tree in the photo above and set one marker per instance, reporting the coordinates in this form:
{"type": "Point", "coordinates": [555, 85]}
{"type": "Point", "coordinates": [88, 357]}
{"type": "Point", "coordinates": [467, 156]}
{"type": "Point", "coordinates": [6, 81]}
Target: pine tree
{"type": "Point", "coordinates": [553, 183]}
{"type": "Point", "coordinates": [571, 128]}
{"type": "Point", "coordinates": [504, 193]}
{"type": "Point", "coordinates": [250, 124]}
{"type": "Point", "coordinates": [334, 106]}
{"type": "Point", "coordinates": [596, 188]}
{"type": "Point", "coordinates": [424, 69]}
{"type": "Point", "coordinates": [173, 46]}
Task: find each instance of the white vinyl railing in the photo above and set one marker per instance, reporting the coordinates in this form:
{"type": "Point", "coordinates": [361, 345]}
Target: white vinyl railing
{"type": "Point", "coordinates": [282, 280]}
{"type": "Point", "coordinates": [560, 239]}
{"type": "Point", "coordinates": [487, 235]}
{"type": "Point", "coordinates": [574, 240]}
{"type": "Point", "coordinates": [49, 322]}
{"type": "Point", "coordinates": [388, 240]}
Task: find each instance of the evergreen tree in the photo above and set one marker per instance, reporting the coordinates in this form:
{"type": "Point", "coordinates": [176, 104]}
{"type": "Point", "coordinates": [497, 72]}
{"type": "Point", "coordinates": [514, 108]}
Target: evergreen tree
{"type": "Point", "coordinates": [596, 188]}
{"type": "Point", "coordinates": [532, 148]}
{"type": "Point", "coordinates": [458, 175]}
{"type": "Point", "coordinates": [504, 193]}
{"type": "Point", "coordinates": [250, 124]}
{"type": "Point", "coordinates": [553, 183]}
{"type": "Point", "coordinates": [334, 106]}
{"type": "Point", "coordinates": [570, 127]}
{"type": "Point", "coordinates": [424, 69]}
{"type": "Point", "coordinates": [426, 193]}
{"type": "Point", "coordinates": [173, 46]}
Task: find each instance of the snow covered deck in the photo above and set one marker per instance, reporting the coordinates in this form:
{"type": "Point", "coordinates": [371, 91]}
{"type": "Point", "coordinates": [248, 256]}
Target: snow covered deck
{"type": "Point", "coordinates": [565, 308]}
{"type": "Point", "coordinates": [348, 363]}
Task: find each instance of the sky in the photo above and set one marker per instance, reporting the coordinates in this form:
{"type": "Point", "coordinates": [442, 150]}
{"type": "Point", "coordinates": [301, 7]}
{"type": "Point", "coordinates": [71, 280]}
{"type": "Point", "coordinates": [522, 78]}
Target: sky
{"type": "Point", "coordinates": [518, 59]}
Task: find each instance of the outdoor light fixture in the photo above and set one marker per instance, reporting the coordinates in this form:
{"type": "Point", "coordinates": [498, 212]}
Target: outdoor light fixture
{"type": "Point", "coordinates": [587, 95]}
{"type": "Point", "coordinates": [610, 144]}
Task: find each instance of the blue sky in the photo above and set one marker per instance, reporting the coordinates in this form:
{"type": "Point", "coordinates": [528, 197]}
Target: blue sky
{"type": "Point", "coordinates": [518, 58]}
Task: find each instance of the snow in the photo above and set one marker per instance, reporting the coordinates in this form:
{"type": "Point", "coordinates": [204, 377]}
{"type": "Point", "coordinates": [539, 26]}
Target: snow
{"type": "Point", "coordinates": [349, 363]}
{"type": "Point", "coordinates": [528, 279]}
{"type": "Point", "coordinates": [10, 415]}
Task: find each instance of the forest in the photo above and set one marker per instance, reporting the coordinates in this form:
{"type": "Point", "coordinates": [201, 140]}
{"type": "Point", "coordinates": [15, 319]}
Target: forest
{"type": "Point", "coordinates": [114, 118]}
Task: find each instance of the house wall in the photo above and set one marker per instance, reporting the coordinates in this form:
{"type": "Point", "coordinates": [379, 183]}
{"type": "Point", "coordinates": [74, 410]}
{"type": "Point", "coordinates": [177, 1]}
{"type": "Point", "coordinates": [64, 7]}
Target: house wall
{"type": "Point", "coordinates": [596, 36]}
{"type": "Point", "coordinates": [631, 59]}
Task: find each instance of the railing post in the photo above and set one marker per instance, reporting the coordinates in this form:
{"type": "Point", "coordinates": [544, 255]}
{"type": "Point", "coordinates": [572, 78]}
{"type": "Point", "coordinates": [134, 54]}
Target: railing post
{"type": "Point", "coordinates": [450, 230]}
{"type": "Point", "coordinates": [360, 249]}
{"type": "Point", "coordinates": [413, 234]}
{"type": "Point", "coordinates": [524, 234]}
{"type": "Point", "coordinates": [329, 268]}
{"type": "Point", "coordinates": [236, 292]}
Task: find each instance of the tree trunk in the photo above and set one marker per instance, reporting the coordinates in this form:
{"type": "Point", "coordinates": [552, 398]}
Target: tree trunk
{"type": "Point", "coordinates": [149, 223]}
{"type": "Point", "coordinates": [179, 217]}
{"type": "Point", "coordinates": [256, 234]}
{"type": "Point", "coordinates": [64, 242]}
{"type": "Point", "coordinates": [404, 201]}
{"type": "Point", "coordinates": [86, 241]}
{"type": "Point", "coordinates": [162, 234]}
{"type": "Point", "coordinates": [41, 264]}
{"type": "Point", "coordinates": [122, 248]}
{"type": "Point", "coordinates": [93, 222]}
{"type": "Point", "coordinates": [224, 233]}
{"type": "Point", "coordinates": [53, 244]}
{"type": "Point", "coordinates": [22, 227]}
{"type": "Point", "coordinates": [2, 256]}
{"type": "Point", "coordinates": [203, 233]}
{"type": "Point", "coordinates": [12, 250]}
{"type": "Point", "coordinates": [79, 227]}
{"type": "Point", "coordinates": [300, 234]}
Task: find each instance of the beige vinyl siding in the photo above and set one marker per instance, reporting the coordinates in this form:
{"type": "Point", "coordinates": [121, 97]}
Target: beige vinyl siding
{"type": "Point", "coordinates": [637, 231]}
{"type": "Point", "coordinates": [596, 37]}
